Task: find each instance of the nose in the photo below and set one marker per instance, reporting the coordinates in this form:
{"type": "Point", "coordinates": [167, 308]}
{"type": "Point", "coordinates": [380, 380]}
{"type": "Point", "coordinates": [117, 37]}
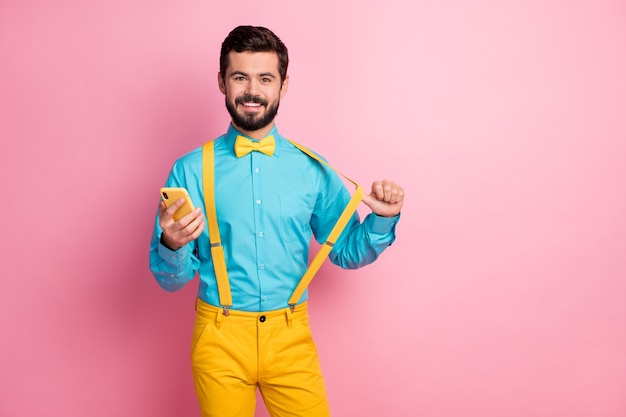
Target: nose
{"type": "Point", "coordinates": [252, 87]}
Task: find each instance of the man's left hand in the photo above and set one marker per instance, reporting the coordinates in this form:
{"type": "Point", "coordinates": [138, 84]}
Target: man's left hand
{"type": "Point", "coordinates": [386, 198]}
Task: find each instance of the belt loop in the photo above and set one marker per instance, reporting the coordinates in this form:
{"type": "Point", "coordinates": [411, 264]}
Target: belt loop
{"type": "Point", "coordinates": [218, 318]}
{"type": "Point", "coordinates": [289, 313]}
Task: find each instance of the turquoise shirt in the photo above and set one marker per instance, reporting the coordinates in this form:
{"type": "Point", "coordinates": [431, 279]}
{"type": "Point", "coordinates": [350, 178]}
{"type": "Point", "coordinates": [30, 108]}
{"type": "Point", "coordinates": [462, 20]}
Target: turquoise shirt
{"type": "Point", "coordinates": [268, 207]}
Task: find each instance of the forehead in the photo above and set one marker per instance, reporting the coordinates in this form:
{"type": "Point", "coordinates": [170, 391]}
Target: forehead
{"type": "Point", "coordinates": [253, 62]}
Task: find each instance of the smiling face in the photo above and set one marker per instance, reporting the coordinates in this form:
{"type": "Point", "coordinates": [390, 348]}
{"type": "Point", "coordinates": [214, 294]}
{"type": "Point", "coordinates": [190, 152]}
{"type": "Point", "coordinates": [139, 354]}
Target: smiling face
{"type": "Point", "coordinates": [253, 89]}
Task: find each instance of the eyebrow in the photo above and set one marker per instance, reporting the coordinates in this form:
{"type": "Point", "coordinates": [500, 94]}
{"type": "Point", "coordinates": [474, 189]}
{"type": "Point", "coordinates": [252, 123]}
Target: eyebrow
{"type": "Point", "coordinates": [263, 74]}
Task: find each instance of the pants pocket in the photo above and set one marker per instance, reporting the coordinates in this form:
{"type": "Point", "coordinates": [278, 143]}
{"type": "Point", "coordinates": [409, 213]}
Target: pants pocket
{"type": "Point", "coordinates": [200, 329]}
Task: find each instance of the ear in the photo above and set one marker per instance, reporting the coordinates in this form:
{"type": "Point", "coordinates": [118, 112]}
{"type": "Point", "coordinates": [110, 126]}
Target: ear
{"type": "Point", "coordinates": [284, 87]}
{"type": "Point", "coordinates": [220, 83]}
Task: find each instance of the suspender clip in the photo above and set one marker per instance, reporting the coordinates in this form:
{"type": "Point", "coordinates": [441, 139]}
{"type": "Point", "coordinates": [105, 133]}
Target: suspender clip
{"type": "Point", "coordinates": [226, 310]}
{"type": "Point", "coordinates": [292, 307]}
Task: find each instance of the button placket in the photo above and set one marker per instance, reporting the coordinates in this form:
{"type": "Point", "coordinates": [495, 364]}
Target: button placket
{"type": "Point", "coordinates": [257, 199]}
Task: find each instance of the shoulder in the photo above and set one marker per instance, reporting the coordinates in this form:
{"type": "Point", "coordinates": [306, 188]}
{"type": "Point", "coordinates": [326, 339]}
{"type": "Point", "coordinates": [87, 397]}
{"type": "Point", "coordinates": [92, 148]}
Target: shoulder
{"type": "Point", "coordinates": [309, 165]}
{"type": "Point", "coordinates": [195, 155]}
{"type": "Point", "coordinates": [192, 160]}
{"type": "Point", "coordinates": [292, 148]}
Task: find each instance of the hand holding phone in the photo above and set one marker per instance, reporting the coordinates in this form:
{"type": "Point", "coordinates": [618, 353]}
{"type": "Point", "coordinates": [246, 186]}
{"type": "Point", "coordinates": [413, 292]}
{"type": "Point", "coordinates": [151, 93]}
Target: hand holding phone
{"type": "Point", "coordinates": [170, 195]}
{"type": "Point", "coordinates": [175, 235]}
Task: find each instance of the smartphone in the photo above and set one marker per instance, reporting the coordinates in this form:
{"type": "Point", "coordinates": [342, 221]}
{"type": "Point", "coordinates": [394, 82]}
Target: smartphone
{"type": "Point", "coordinates": [172, 194]}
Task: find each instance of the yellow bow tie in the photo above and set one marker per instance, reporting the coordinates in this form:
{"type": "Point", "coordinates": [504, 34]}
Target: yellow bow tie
{"type": "Point", "coordinates": [243, 146]}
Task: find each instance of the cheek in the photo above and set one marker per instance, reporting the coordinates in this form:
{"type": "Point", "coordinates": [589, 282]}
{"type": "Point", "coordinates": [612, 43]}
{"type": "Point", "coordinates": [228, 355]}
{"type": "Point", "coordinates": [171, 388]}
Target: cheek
{"type": "Point", "coordinates": [274, 94]}
{"type": "Point", "coordinates": [232, 91]}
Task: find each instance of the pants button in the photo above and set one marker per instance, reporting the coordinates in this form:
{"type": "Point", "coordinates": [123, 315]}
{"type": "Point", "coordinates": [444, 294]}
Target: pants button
{"type": "Point", "coordinates": [262, 319]}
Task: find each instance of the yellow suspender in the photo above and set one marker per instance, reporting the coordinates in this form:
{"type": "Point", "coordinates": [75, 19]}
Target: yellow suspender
{"type": "Point", "coordinates": [325, 249]}
{"type": "Point", "coordinates": [217, 251]}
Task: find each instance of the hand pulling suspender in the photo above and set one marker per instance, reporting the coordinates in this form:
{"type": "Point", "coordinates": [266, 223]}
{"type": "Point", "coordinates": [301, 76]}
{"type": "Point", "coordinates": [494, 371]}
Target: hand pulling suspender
{"type": "Point", "coordinates": [217, 251]}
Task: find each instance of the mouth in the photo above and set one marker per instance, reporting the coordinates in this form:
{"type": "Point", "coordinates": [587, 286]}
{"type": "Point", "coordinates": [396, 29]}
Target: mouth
{"type": "Point", "coordinates": [250, 103]}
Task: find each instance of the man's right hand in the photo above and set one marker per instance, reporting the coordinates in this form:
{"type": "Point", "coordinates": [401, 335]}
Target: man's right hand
{"type": "Point", "coordinates": [178, 234]}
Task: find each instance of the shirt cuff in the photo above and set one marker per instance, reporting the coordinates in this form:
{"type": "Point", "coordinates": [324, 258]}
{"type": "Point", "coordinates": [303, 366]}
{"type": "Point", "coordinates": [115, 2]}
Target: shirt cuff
{"type": "Point", "coordinates": [382, 225]}
{"type": "Point", "coordinates": [172, 257]}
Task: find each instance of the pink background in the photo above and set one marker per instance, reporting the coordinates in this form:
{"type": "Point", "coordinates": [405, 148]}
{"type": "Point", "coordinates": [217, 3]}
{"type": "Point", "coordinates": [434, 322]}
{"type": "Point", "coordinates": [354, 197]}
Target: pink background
{"type": "Point", "coordinates": [505, 122]}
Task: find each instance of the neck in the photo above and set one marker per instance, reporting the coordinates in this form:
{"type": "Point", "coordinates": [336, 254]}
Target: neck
{"type": "Point", "coordinates": [256, 134]}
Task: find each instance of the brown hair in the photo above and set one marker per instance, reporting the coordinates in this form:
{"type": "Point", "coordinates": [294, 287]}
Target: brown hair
{"type": "Point", "coordinates": [254, 39]}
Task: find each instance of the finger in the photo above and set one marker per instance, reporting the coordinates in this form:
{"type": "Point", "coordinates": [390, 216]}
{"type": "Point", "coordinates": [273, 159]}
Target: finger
{"type": "Point", "coordinates": [166, 214]}
{"type": "Point", "coordinates": [181, 235]}
{"type": "Point", "coordinates": [177, 204]}
{"type": "Point", "coordinates": [392, 192]}
{"type": "Point", "coordinates": [188, 219]}
{"type": "Point", "coordinates": [384, 190]}
{"type": "Point", "coordinates": [199, 228]}
{"type": "Point", "coordinates": [191, 232]}
{"type": "Point", "coordinates": [388, 191]}
{"type": "Point", "coordinates": [378, 190]}
{"type": "Point", "coordinates": [192, 220]}
{"type": "Point", "coordinates": [396, 194]}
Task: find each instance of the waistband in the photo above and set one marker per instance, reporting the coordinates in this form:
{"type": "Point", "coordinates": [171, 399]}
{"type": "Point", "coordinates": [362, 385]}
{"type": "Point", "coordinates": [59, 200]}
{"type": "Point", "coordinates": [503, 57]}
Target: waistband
{"type": "Point", "coordinates": [252, 318]}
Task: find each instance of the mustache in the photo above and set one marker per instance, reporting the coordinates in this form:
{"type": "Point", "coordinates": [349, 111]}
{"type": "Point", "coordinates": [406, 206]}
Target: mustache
{"type": "Point", "coordinates": [250, 99]}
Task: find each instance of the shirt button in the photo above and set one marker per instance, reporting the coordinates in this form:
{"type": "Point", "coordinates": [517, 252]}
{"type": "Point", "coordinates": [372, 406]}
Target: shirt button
{"type": "Point", "coordinates": [257, 170]}
{"type": "Point", "coordinates": [260, 234]}
{"type": "Point", "coordinates": [262, 319]}
{"type": "Point", "coordinates": [258, 201]}
{"type": "Point", "coordinates": [262, 266]}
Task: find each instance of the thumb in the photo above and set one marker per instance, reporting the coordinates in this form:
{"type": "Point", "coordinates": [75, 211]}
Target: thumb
{"type": "Point", "coordinates": [376, 205]}
{"type": "Point", "coordinates": [379, 207]}
{"type": "Point", "coordinates": [369, 200]}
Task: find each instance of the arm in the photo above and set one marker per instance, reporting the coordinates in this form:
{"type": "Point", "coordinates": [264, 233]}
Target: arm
{"type": "Point", "coordinates": [360, 243]}
{"type": "Point", "coordinates": [172, 259]}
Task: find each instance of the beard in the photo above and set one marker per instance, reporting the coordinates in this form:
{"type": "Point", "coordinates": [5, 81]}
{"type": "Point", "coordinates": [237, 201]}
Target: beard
{"type": "Point", "coordinates": [252, 122]}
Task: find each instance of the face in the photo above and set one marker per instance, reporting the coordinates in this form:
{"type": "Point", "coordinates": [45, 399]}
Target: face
{"type": "Point", "coordinates": [253, 90]}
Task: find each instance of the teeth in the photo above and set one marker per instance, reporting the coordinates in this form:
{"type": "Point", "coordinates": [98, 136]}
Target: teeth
{"type": "Point", "coordinates": [252, 104]}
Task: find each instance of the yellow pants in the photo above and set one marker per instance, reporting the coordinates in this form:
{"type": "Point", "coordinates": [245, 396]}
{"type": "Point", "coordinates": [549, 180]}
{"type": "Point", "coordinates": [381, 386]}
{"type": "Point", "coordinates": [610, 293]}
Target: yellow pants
{"type": "Point", "coordinates": [232, 355]}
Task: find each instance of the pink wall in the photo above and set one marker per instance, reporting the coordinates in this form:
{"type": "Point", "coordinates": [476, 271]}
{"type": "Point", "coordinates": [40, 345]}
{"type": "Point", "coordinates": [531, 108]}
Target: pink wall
{"type": "Point", "coordinates": [505, 122]}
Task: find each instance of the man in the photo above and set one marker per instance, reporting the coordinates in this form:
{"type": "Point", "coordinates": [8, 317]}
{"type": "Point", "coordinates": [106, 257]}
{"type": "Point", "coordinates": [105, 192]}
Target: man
{"type": "Point", "coordinates": [269, 198]}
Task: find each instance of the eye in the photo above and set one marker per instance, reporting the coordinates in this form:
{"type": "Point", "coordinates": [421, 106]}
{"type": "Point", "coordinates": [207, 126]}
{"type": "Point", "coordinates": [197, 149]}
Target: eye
{"type": "Point", "coordinates": [266, 80]}
{"type": "Point", "coordinates": [240, 78]}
